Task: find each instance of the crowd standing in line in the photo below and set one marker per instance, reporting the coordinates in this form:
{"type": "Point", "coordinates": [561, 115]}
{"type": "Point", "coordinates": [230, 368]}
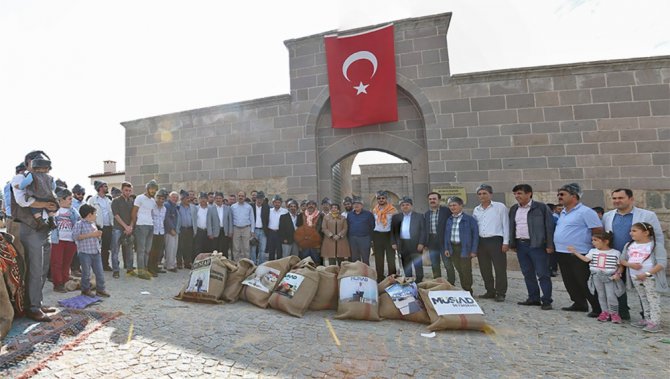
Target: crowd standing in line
{"type": "Point", "coordinates": [599, 255]}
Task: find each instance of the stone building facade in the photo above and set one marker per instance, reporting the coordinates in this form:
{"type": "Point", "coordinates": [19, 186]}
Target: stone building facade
{"type": "Point", "coordinates": [602, 124]}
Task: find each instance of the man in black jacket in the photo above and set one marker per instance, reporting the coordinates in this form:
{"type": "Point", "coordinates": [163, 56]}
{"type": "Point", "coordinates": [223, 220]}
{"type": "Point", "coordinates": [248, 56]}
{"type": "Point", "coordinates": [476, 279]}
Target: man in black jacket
{"type": "Point", "coordinates": [287, 225]}
{"type": "Point", "coordinates": [407, 238]}
{"type": "Point", "coordinates": [531, 234]}
{"type": "Point", "coordinates": [436, 219]}
{"type": "Point", "coordinates": [261, 218]}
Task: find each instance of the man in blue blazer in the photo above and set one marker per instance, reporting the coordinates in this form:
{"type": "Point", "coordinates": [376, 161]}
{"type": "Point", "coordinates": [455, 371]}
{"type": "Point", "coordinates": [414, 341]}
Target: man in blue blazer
{"type": "Point", "coordinates": [407, 238]}
{"type": "Point", "coordinates": [461, 239]}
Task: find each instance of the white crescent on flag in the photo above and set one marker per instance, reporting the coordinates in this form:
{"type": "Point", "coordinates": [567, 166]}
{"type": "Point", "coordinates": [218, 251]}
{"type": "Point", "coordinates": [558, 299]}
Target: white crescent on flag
{"type": "Point", "coordinates": [359, 55]}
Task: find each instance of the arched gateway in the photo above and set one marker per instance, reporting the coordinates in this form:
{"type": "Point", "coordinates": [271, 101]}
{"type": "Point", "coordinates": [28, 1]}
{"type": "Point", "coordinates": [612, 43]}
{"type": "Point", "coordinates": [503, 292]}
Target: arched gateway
{"type": "Point", "coordinates": [405, 139]}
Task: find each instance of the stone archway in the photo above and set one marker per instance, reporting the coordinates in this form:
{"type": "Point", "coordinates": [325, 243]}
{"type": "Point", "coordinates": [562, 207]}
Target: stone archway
{"type": "Point", "coordinates": [405, 139]}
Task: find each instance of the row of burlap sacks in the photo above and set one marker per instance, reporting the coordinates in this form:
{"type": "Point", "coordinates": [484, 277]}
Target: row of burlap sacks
{"type": "Point", "coordinates": [294, 286]}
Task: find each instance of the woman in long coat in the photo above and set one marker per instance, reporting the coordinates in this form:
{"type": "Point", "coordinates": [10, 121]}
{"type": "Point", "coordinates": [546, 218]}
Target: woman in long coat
{"type": "Point", "coordinates": [335, 246]}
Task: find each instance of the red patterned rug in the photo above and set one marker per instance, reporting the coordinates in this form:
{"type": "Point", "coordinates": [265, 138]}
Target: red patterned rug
{"type": "Point", "coordinates": [30, 345]}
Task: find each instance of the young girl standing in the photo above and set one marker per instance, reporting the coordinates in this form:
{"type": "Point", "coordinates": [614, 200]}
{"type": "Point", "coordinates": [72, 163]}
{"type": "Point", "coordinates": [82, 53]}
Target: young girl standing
{"type": "Point", "coordinates": [603, 263]}
{"type": "Point", "coordinates": [646, 272]}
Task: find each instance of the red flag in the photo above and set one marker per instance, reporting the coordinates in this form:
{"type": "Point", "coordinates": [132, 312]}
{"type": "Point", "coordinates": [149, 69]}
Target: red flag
{"type": "Point", "coordinates": [361, 78]}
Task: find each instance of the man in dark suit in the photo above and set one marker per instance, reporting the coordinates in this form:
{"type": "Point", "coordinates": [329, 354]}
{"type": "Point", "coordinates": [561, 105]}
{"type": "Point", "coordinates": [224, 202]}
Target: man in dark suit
{"type": "Point", "coordinates": [436, 219]}
{"type": "Point", "coordinates": [287, 225]}
{"type": "Point", "coordinates": [407, 237]}
{"type": "Point", "coordinates": [219, 225]}
{"type": "Point", "coordinates": [261, 212]}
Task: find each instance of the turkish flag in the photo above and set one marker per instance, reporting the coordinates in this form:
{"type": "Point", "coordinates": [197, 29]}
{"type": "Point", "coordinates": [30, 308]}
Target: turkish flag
{"type": "Point", "coordinates": [361, 78]}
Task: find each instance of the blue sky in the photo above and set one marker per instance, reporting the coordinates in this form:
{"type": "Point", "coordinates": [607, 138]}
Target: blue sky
{"type": "Point", "coordinates": [71, 71]}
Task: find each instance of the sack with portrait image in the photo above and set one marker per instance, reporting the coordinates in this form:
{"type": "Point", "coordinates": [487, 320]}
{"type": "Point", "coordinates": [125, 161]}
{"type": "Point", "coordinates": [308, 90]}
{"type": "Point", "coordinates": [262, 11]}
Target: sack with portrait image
{"type": "Point", "coordinates": [258, 286]}
{"type": "Point", "coordinates": [358, 296]}
{"type": "Point", "coordinates": [295, 291]}
{"type": "Point", "coordinates": [406, 295]}
{"type": "Point", "coordinates": [207, 279]}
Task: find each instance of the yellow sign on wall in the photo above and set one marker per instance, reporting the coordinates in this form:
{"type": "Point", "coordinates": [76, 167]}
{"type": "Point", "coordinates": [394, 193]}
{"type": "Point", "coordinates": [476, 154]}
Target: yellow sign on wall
{"type": "Point", "coordinates": [447, 192]}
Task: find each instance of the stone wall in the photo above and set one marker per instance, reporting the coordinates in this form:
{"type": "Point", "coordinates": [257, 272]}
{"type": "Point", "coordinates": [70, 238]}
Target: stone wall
{"type": "Point", "coordinates": [602, 124]}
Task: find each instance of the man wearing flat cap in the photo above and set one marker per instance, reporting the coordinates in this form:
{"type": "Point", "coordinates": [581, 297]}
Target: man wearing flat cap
{"type": "Point", "coordinates": [574, 228]}
{"type": "Point", "coordinates": [361, 224]}
{"type": "Point", "coordinates": [104, 219]}
{"type": "Point", "coordinates": [493, 222]}
{"type": "Point", "coordinates": [274, 248]}
{"type": "Point", "coordinates": [185, 243]}
{"type": "Point", "coordinates": [143, 224]}
{"type": "Point", "coordinates": [219, 225]}
{"type": "Point", "coordinates": [381, 237]}
{"type": "Point", "coordinates": [407, 238]}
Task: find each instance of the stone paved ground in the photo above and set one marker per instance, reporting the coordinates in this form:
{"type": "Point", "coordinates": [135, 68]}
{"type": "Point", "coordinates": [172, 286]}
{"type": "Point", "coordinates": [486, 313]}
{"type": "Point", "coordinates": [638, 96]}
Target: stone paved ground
{"type": "Point", "coordinates": [174, 339]}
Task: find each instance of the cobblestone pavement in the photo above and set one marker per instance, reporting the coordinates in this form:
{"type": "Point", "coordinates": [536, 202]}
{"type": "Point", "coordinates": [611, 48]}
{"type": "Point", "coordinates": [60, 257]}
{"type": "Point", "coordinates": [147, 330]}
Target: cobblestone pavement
{"type": "Point", "coordinates": [160, 337]}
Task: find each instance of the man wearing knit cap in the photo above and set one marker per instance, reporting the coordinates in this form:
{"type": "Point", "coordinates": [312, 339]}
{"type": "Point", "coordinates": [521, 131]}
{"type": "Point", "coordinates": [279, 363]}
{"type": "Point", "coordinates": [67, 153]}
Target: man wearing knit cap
{"type": "Point", "coordinates": [574, 228]}
{"type": "Point", "coordinates": [78, 193]}
{"type": "Point", "coordinates": [143, 223]}
{"type": "Point", "coordinates": [104, 219]}
{"type": "Point", "coordinates": [493, 221]}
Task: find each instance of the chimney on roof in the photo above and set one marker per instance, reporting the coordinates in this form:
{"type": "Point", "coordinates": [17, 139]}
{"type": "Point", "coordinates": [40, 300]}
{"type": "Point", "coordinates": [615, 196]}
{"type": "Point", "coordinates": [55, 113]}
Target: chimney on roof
{"type": "Point", "coordinates": [110, 166]}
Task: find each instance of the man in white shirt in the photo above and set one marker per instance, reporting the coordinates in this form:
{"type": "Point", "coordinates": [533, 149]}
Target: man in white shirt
{"type": "Point", "coordinates": [493, 222]}
{"type": "Point", "coordinates": [274, 247]}
{"type": "Point", "coordinates": [201, 242]}
{"type": "Point", "coordinates": [143, 226]}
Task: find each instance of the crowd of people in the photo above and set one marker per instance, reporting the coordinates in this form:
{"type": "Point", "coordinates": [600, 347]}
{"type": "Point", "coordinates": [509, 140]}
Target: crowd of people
{"type": "Point", "coordinates": [159, 231]}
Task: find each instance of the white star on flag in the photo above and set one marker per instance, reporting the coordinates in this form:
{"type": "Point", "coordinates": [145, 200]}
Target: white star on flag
{"type": "Point", "coordinates": [360, 88]}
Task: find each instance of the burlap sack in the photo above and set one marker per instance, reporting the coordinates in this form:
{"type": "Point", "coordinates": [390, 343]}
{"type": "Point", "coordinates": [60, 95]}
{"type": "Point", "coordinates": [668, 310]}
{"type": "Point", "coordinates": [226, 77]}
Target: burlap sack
{"type": "Point", "coordinates": [295, 291]}
{"type": "Point", "coordinates": [358, 296]}
{"type": "Point", "coordinates": [471, 322]}
{"type": "Point", "coordinates": [326, 295]}
{"type": "Point", "coordinates": [74, 284]}
{"type": "Point", "coordinates": [6, 308]}
{"type": "Point", "coordinates": [388, 310]}
{"type": "Point", "coordinates": [237, 272]}
{"type": "Point", "coordinates": [257, 287]}
{"type": "Point", "coordinates": [207, 280]}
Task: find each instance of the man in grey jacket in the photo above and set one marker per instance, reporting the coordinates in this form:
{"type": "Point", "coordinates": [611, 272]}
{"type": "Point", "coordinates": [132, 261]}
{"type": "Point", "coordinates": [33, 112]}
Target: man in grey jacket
{"type": "Point", "coordinates": [619, 220]}
{"type": "Point", "coordinates": [531, 234]}
{"type": "Point", "coordinates": [219, 225]}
